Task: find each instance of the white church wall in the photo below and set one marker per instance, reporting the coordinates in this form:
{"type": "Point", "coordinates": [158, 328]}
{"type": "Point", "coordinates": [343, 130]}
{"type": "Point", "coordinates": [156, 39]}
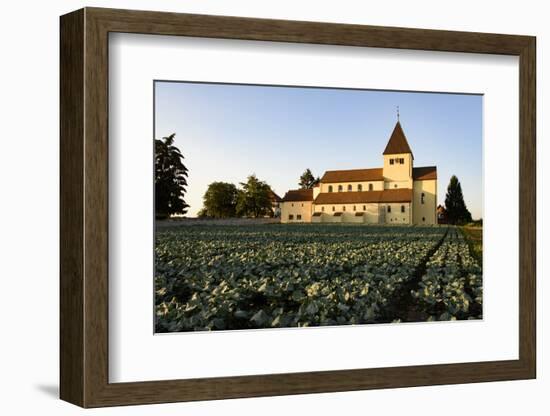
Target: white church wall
{"type": "Point", "coordinates": [425, 213]}
{"type": "Point", "coordinates": [355, 186]}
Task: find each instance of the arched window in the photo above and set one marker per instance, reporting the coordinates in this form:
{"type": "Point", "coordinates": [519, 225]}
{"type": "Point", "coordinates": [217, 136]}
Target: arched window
{"type": "Point", "coordinates": [323, 209]}
{"type": "Point", "coordinates": [422, 198]}
{"type": "Point", "coordinates": [370, 187]}
{"type": "Point", "coordinates": [350, 188]}
{"type": "Point", "coordinates": [340, 188]}
{"type": "Point", "coordinates": [333, 209]}
{"type": "Point", "coordinates": [364, 207]}
{"type": "Point", "coordinates": [359, 187]}
{"type": "Point", "coordinates": [344, 208]}
{"type": "Point", "coordinates": [354, 208]}
{"type": "Point", "coordinates": [402, 208]}
{"type": "Point", "coordinates": [389, 208]}
{"type": "Point", "coordinates": [330, 188]}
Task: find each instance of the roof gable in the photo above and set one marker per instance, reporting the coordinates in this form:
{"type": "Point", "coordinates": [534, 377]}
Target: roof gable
{"type": "Point", "coordinates": [387, 195]}
{"type": "Point", "coordinates": [425, 173]}
{"type": "Point", "coordinates": [298, 195]}
{"type": "Point", "coordinates": [398, 142]}
{"type": "Point", "coordinates": [353, 175]}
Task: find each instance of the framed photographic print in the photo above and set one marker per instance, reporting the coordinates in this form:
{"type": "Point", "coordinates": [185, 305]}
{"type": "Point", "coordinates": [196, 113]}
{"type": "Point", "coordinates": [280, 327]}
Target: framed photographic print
{"type": "Point", "coordinates": [255, 207]}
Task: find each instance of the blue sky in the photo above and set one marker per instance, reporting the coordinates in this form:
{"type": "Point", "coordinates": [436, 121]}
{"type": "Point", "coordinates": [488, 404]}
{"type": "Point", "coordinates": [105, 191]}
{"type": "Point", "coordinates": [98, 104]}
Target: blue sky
{"type": "Point", "coordinates": [227, 132]}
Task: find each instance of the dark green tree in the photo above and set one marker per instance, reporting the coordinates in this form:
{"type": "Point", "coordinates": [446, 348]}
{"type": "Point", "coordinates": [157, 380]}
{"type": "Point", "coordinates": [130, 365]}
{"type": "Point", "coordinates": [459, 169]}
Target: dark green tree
{"type": "Point", "coordinates": [457, 213]}
{"type": "Point", "coordinates": [307, 180]}
{"type": "Point", "coordinates": [170, 179]}
{"type": "Point", "coordinates": [254, 198]}
{"type": "Point", "coordinates": [220, 200]}
{"type": "Point", "coordinates": [202, 213]}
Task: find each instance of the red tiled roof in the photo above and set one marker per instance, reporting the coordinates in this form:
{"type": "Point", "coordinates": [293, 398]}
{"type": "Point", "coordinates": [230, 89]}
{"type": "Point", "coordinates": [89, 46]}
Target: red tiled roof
{"type": "Point", "coordinates": [398, 142]}
{"type": "Point", "coordinates": [425, 173]}
{"type": "Point", "coordinates": [298, 195]}
{"type": "Point", "coordinates": [387, 195]}
{"type": "Point", "coordinates": [353, 175]}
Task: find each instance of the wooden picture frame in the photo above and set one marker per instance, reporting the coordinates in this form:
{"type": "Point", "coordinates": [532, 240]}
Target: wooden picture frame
{"type": "Point", "coordinates": [84, 207]}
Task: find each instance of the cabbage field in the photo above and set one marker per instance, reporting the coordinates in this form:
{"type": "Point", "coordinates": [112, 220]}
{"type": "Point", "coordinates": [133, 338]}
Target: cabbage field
{"type": "Point", "coordinates": [221, 277]}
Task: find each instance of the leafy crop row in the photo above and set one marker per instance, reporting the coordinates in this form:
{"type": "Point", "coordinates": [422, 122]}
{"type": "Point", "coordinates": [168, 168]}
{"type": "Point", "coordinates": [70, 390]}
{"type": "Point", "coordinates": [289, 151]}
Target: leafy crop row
{"type": "Point", "coordinates": [239, 277]}
{"type": "Point", "coordinates": [452, 285]}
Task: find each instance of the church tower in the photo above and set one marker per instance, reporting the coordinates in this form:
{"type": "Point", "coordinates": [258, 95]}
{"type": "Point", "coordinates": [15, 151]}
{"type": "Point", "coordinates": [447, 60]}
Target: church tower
{"type": "Point", "coordinates": [398, 160]}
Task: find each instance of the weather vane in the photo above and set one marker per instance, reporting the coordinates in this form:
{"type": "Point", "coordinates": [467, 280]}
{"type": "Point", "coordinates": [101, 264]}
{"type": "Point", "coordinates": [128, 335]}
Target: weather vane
{"type": "Point", "coordinates": [397, 113]}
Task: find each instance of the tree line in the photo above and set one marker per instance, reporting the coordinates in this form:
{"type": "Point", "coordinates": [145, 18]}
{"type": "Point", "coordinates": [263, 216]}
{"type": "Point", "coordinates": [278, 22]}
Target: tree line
{"type": "Point", "coordinates": [254, 199]}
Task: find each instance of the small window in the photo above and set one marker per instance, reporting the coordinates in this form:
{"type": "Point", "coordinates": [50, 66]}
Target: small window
{"type": "Point", "coordinates": [340, 188]}
{"type": "Point", "coordinates": [344, 208]}
{"type": "Point", "coordinates": [302, 204]}
{"type": "Point", "coordinates": [354, 208]}
{"type": "Point", "coordinates": [359, 187]}
{"type": "Point", "coordinates": [298, 217]}
{"type": "Point", "coordinates": [364, 207]}
{"type": "Point", "coordinates": [395, 186]}
{"type": "Point", "coordinates": [402, 161]}
{"type": "Point", "coordinates": [292, 204]}
{"type": "Point", "coordinates": [423, 219]}
{"type": "Point", "coordinates": [422, 197]}
{"type": "Point", "coordinates": [322, 209]}
{"type": "Point", "coordinates": [330, 188]}
{"type": "Point", "coordinates": [391, 161]}
{"type": "Point", "coordinates": [389, 208]}
{"type": "Point", "coordinates": [402, 208]}
{"type": "Point", "coordinates": [371, 187]}
{"type": "Point", "coordinates": [350, 188]}
{"type": "Point", "coordinates": [290, 217]}
{"type": "Point", "coordinates": [333, 209]}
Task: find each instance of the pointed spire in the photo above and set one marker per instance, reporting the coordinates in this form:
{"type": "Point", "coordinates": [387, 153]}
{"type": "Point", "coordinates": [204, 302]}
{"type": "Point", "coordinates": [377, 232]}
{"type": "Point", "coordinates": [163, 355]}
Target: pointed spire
{"type": "Point", "coordinates": [398, 142]}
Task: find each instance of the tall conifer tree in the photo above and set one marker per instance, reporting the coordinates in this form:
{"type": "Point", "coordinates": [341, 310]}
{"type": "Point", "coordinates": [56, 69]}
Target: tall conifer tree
{"type": "Point", "coordinates": [170, 179]}
{"type": "Point", "coordinates": [457, 213]}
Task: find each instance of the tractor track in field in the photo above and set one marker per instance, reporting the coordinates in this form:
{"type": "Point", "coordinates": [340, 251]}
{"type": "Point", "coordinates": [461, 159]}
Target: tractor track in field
{"type": "Point", "coordinates": [404, 306]}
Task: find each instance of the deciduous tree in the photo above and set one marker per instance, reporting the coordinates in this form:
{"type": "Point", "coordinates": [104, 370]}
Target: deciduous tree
{"type": "Point", "coordinates": [254, 198]}
{"type": "Point", "coordinates": [220, 200]}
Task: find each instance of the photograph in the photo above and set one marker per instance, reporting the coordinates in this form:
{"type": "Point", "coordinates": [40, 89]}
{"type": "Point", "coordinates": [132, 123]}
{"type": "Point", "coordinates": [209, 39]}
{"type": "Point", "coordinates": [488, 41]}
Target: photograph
{"type": "Point", "coordinates": [304, 206]}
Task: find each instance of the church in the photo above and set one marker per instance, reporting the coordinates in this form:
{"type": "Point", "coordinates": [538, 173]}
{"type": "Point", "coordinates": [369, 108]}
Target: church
{"type": "Point", "coordinates": [396, 193]}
